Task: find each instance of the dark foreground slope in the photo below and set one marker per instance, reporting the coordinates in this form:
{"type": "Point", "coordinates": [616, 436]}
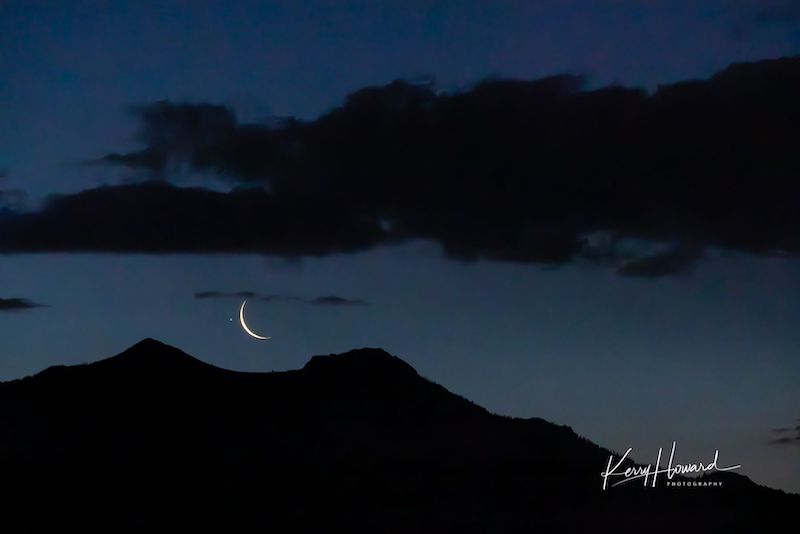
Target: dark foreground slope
{"type": "Point", "coordinates": [154, 439]}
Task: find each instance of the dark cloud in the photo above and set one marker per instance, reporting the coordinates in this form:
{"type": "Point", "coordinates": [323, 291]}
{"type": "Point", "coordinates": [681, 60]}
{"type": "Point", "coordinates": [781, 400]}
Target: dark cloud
{"type": "Point", "coordinates": [158, 217]}
{"type": "Point", "coordinates": [244, 294]}
{"type": "Point", "coordinates": [221, 294]}
{"type": "Point", "coordinates": [786, 435]}
{"type": "Point", "coordinates": [786, 440]}
{"type": "Point", "coordinates": [330, 300]}
{"type": "Point", "coordinates": [17, 304]}
{"type": "Point", "coordinates": [508, 170]}
{"type": "Point", "coordinates": [174, 133]}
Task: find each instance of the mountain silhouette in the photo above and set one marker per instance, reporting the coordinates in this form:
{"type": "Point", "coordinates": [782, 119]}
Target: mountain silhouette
{"type": "Point", "coordinates": [153, 439]}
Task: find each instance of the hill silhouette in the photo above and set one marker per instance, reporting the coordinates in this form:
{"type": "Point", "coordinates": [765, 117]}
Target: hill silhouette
{"type": "Point", "coordinates": [153, 439]}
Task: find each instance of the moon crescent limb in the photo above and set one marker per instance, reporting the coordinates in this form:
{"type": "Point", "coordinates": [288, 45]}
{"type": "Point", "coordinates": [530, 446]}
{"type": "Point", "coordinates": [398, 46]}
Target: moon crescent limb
{"type": "Point", "coordinates": [244, 324]}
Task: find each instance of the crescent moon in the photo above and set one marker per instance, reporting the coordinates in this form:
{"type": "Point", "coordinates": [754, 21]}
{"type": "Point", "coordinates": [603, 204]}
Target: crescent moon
{"type": "Point", "coordinates": [244, 324]}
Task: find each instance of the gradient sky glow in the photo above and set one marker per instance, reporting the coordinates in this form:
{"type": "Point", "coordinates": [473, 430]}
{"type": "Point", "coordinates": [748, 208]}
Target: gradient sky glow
{"type": "Point", "coordinates": [709, 360]}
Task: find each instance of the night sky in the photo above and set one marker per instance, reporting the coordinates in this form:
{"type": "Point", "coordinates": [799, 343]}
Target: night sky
{"type": "Point", "coordinates": [673, 326]}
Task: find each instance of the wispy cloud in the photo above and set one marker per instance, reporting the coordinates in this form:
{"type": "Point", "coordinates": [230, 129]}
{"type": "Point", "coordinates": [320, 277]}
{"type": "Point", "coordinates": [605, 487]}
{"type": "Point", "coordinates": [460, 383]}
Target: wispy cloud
{"type": "Point", "coordinates": [786, 435]}
{"type": "Point", "coordinates": [18, 304]}
{"type": "Point", "coordinates": [221, 294]}
{"type": "Point", "coordinates": [333, 300]}
{"type": "Point", "coordinates": [328, 300]}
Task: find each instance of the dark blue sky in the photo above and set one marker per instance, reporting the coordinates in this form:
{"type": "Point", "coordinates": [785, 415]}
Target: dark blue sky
{"type": "Point", "coordinates": [71, 69]}
{"type": "Point", "coordinates": [708, 359]}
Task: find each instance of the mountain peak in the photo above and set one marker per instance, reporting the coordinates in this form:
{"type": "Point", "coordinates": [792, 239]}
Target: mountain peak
{"type": "Point", "coordinates": [366, 361]}
{"type": "Point", "coordinates": [149, 343]}
{"type": "Point", "coordinates": [152, 355]}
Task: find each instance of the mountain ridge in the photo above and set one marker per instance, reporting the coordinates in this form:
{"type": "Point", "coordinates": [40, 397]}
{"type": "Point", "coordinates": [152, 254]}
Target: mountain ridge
{"type": "Point", "coordinates": [156, 430]}
{"type": "Point", "coordinates": [140, 355]}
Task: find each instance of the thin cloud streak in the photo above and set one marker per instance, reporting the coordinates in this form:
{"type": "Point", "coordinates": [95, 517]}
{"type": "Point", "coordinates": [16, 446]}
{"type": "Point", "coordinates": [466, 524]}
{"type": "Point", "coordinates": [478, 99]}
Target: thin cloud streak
{"type": "Point", "coordinates": [329, 300]}
{"type": "Point", "coordinates": [18, 304]}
